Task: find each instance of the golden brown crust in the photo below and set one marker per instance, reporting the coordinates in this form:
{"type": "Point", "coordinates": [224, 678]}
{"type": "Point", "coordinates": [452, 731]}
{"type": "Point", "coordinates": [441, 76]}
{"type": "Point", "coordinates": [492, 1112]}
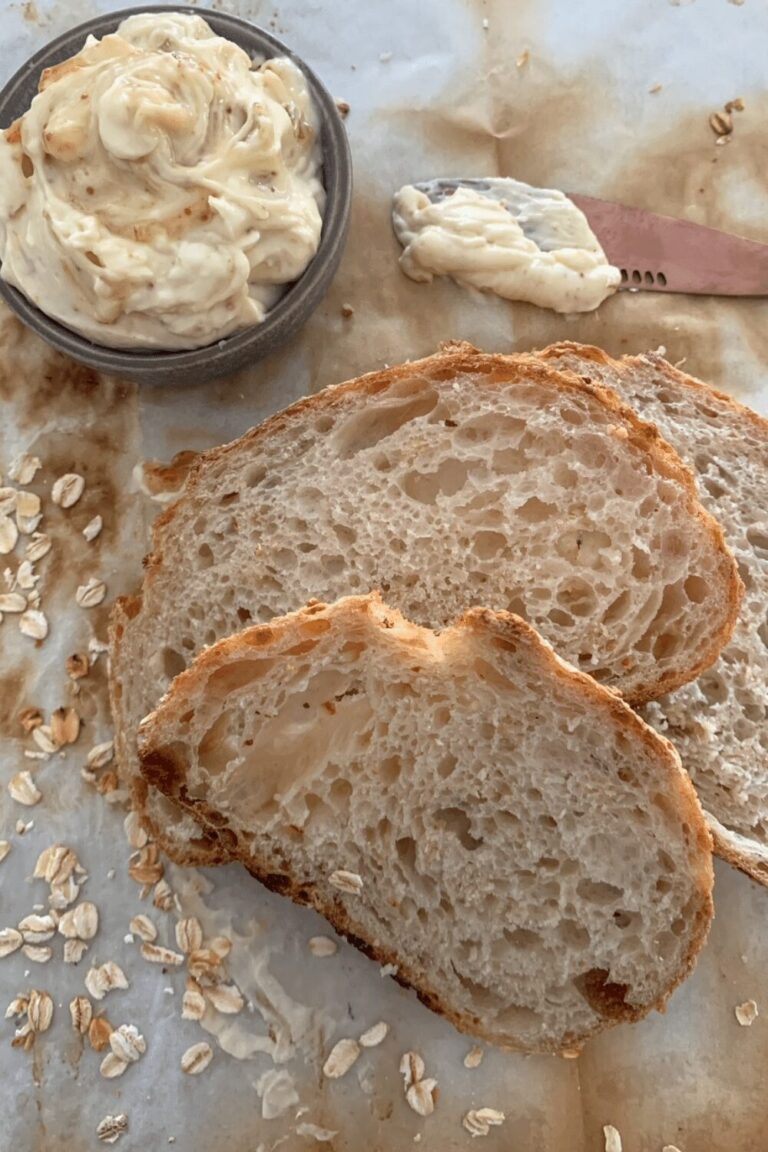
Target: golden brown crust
{"type": "Point", "coordinates": [165, 767]}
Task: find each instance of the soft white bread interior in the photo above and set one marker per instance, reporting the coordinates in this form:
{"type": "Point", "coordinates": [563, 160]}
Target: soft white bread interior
{"type": "Point", "coordinates": [510, 834]}
{"type": "Point", "coordinates": [719, 723]}
{"type": "Point", "coordinates": [458, 480]}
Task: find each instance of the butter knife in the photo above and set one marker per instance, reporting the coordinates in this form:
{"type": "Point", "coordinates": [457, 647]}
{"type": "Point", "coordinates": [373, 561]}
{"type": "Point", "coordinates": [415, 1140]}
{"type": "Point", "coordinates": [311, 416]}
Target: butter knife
{"type": "Point", "coordinates": [663, 254]}
{"type": "Point", "coordinates": [654, 253]}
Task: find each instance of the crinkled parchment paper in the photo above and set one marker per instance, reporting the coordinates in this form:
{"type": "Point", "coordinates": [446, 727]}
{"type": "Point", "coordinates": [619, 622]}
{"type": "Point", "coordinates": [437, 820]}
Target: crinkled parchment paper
{"type": "Point", "coordinates": [550, 91]}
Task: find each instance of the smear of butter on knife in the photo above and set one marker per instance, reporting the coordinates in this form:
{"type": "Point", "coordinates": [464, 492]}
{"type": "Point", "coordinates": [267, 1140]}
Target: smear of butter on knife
{"type": "Point", "coordinates": [529, 244]}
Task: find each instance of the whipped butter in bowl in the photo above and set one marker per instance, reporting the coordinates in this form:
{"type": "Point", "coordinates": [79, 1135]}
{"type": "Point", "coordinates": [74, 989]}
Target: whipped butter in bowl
{"type": "Point", "coordinates": [167, 189]}
{"type": "Point", "coordinates": [503, 236]}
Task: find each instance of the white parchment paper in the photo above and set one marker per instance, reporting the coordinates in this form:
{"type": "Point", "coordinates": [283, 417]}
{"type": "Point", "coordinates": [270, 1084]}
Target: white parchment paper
{"type": "Point", "coordinates": [550, 91]}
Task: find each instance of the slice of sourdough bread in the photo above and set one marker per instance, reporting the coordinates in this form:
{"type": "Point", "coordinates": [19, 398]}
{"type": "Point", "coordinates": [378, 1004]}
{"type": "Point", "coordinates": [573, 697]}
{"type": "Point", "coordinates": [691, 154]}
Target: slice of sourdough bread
{"type": "Point", "coordinates": [464, 805]}
{"type": "Point", "coordinates": [457, 480]}
{"type": "Point", "coordinates": [720, 722]}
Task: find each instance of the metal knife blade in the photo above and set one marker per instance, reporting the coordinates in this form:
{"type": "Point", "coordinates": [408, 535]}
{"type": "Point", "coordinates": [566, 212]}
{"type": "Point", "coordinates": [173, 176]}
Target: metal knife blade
{"type": "Point", "coordinates": [663, 254]}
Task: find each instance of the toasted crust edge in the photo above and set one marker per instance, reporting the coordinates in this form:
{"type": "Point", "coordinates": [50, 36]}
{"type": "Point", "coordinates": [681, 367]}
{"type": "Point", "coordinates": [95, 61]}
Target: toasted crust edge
{"type": "Point", "coordinates": [163, 766]}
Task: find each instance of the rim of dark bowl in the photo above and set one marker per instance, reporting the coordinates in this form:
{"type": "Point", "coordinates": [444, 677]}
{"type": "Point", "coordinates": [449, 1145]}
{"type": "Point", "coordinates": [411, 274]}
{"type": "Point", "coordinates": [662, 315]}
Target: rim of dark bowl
{"type": "Point", "coordinates": [214, 360]}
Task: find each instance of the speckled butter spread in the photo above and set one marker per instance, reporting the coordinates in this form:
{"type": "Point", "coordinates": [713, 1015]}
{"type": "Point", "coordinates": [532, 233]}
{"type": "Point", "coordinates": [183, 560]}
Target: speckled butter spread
{"type": "Point", "coordinates": [162, 189]}
{"type": "Point", "coordinates": [533, 244]}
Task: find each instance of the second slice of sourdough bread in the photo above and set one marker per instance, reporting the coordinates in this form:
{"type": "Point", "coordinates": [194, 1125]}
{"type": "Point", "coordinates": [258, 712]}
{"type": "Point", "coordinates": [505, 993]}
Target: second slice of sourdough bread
{"type": "Point", "coordinates": [457, 480]}
{"type": "Point", "coordinates": [510, 834]}
{"type": "Point", "coordinates": [719, 723]}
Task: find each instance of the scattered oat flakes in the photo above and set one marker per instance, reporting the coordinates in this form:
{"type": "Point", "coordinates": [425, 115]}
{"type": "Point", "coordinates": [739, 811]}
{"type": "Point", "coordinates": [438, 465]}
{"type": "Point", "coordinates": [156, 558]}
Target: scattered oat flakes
{"type": "Point", "coordinates": [225, 998]}
{"type": "Point", "coordinates": [90, 595]}
{"type": "Point", "coordinates": [156, 954]}
{"type": "Point", "coordinates": [39, 1011]}
{"type": "Point", "coordinates": [68, 489]}
{"type": "Point", "coordinates": [37, 929]}
{"type": "Point", "coordinates": [7, 501]}
{"type": "Point", "coordinates": [374, 1035]}
{"type": "Point", "coordinates": [99, 1032]}
{"type": "Point", "coordinates": [25, 575]}
{"type": "Point", "coordinates": [203, 963]}
{"type": "Point", "coordinates": [17, 1007]}
{"type": "Point", "coordinates": [37, 547]}
{"type": "Point", "coordinates": [37, 953]}
{"type": "Point", "coordinates": [196, 1058]}
{"type": "Point", "coordinates": [23, 827]}
{"type": "Point", "coordinates": [9, 534]}
{"type": "Point", "coordinates": [81, 1013]}
{"type": "Point", "coordinates": [721, 123]}
{"type": "Point", "coordinates": [23, 789]}
{"type": "Point", "coordinates": [55, 865]}
{"type": "Point", "coordinates": [146, 867]}
{"type": "Point", "coordinates": [347, 311]}
{"type": "Point", "coordinates": [523, 58]}
{"type": "Point", "coordinates": [43, 737]}
{"type": "Point", "coordinates": [103, 979]}
{"type": "Point", "coordinates": [81, 922]}
{"type": "Point", "coordinates": [411, 1068]}
{"type": "Point", "coordinates": [30, 718]}
{"type": "Point", "coordinates": [343, 108]}
{"type": "Point", "coordinates": [93, 528]}
{"type": "Point", "coordinates": [735, 105]}
{"type": "Point", "coordinates": [479, 1121]}
{"type": "Point", "coordinates": [65, 726]}
{"type": "Point", "coordinates": [193, 1002]}
{"type": "Point", "coordinates": [101, 754]}
{"type": "Point", "coordinates": [127, 1043]}
{"type": "Point", "coordinates": [112, 1066]}
{"type": "Point", "coordinates": [12, 602]}
{"type": "Point", "coordinates": [23, 468]}
{"type": "Point", "coordinates": [323, 946]}
{"type": "Point", "coordinates": [143, 927]}
{"type": "Point", "coordinates": [421, 1097]}
{"type": "Point", "coordinates": [341, 1058]}
{"type": "Point", "coordinates": [27, 512]}
{"type": "Point", "coordinates": [189, 934]}
{"type": "Point", "coordinates": [33, 623]}
{"type": "Point", "coordinates": [349, 882]}
{"type": "Point", "coordinates": [746, 1013]}
{"type": "Point", "coordinates": [612, 1138]}
{"type": "Point", "coordinates": [474, 1057]}
{"type": "Point", "coordinates": [655, 88]}
{"type": "Point", "coordinates": [111, 1128]}
{"type": "Point", "coordinates": [10, 940]}
{"type": "Point", "coordinates": [5, 848]}
{"type": "Point", "coordinates": [164, 897]}
{"type": "Point", "coordinates": [74, 950]}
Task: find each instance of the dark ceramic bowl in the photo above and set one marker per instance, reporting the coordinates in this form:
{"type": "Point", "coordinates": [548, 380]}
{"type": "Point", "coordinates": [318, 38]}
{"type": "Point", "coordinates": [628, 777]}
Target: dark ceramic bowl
{"type": "Point", "coordinates": [300, 300]}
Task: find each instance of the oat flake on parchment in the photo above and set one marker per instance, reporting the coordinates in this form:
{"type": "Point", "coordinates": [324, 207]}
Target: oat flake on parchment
{"type": "Point", "coordinates": [111, 1128]}
{"type": "Point", "coordinates": [91, 594]}
{"type": "Point", "coordinates": [374, 1035]}
{"type": "Point", "coordinates": [68, 489]}
{"type": "Point", "coordinates": [341, 1058]}
{"type": "Point", "coordinates": [479, 1121]}
{"type": "Point", "coordinates": [323, 946]}
{"type": "Point", "coordinates": [196, 1058]}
